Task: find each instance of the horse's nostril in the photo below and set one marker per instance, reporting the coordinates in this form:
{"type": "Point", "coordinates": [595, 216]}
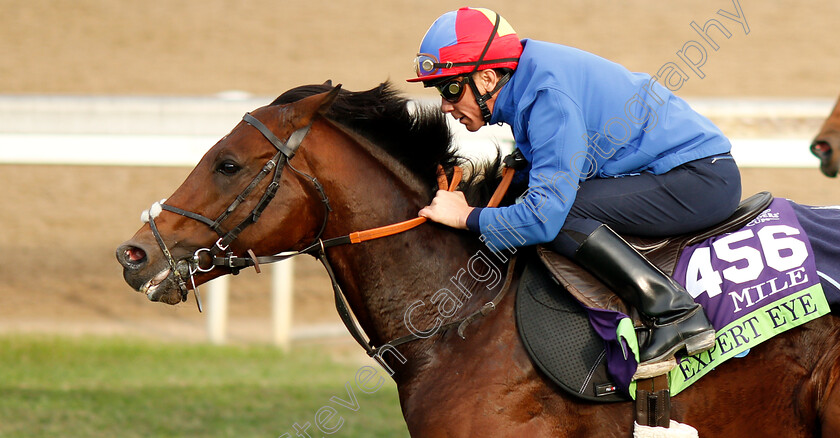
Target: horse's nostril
{"type": "Point", "coordinates": [821, 148]}
{"type": "Point", "coordinates": [132, 256]}
{"type": "Point", "coordinates": [135, 254]}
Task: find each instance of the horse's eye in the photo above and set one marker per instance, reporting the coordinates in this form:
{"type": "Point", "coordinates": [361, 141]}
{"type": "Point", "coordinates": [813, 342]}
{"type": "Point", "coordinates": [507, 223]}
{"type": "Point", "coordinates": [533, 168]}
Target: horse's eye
{"type": "Point", "coordinates": [228, 168]}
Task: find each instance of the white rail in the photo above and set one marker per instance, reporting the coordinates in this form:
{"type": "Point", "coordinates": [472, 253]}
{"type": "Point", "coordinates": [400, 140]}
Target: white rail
{"type": "Point", "coordinates": [165, 131]}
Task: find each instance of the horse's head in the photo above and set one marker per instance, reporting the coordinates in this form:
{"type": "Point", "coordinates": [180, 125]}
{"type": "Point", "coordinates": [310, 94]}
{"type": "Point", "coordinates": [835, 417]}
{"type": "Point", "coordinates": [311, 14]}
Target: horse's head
{"type": "Point", "coordinates": [215, 211]}
{"type": "Point", "coordinates": [826, 145]}
{"type": "Point", "coordinates": [374, 153]}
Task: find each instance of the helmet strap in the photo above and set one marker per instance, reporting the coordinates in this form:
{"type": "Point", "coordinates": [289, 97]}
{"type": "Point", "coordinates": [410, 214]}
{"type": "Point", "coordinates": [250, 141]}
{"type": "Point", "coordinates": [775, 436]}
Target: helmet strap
{"type": "Point", "coordinates": [482, 99]}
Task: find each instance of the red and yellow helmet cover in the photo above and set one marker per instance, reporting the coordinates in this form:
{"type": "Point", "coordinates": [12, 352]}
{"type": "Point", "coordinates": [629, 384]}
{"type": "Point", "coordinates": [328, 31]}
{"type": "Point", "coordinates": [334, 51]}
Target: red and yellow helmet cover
{"type": "Point", "coordinates": [455, 42]}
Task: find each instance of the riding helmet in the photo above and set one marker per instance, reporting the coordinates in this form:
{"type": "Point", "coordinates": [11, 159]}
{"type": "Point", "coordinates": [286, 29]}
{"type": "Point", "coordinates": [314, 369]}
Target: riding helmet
{"type": "Point", "coordinates": [464, 41]}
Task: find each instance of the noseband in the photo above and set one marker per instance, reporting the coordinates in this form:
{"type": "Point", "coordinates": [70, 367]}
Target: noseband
{"type": "Point", "coordinates": [285, 152]}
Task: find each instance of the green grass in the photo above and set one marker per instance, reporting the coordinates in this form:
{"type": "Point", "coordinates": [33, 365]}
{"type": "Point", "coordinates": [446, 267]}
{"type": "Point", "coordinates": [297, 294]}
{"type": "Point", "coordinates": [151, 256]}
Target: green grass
{"type": "Point", "coordinates": [106, 387]}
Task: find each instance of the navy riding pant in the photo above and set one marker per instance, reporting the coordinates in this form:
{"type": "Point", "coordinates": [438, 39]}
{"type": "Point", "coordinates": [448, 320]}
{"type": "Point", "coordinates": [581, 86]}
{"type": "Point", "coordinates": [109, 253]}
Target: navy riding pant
{"type": "Point", "coordinates": [689, 197]}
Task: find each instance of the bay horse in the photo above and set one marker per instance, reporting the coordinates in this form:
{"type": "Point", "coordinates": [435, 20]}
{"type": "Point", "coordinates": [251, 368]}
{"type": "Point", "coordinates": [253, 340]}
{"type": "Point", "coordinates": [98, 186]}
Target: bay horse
{"type": "Point", "coordinates": [826, 145]}
{"type": "Point", "coordinates": [368, 159]}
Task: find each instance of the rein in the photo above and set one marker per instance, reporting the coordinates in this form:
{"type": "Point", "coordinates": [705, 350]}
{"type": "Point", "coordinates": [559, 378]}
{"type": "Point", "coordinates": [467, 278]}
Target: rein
{"type": "Point", "coordinates": [285, 152]}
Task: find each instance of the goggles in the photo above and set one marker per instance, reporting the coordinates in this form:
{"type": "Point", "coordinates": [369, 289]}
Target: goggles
{"type": "Point", "coordinates": [452, 89]}
{"type": "Point", "coordinates": [427, 65]}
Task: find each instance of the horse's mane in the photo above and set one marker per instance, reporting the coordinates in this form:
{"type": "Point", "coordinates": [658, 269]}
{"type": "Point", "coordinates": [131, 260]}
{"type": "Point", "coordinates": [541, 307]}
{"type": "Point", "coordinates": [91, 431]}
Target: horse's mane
{"type": "Point", "coordinates": [415, 135]}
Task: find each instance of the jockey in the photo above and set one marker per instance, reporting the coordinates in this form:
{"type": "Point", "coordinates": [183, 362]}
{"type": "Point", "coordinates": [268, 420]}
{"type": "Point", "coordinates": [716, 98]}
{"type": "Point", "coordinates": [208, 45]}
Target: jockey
{"type": "Point", "coordinates": [608, 151]}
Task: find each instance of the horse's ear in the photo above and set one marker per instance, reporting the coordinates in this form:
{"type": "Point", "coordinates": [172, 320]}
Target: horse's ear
{"type": "Point", "coordinates": [318, 104]}
{"type": "Point", "coordinates": [329, 99]}
{"type": "Point", "coordinates": [328, 83]}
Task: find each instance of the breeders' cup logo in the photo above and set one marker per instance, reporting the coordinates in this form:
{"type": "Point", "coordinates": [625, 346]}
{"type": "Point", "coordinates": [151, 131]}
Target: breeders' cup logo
{"type": "Point", "coordinates": [766, 216]}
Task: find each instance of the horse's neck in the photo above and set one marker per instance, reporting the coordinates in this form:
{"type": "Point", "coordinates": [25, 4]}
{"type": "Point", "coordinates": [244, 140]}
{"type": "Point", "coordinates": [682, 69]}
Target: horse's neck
{"type": "Point", "coordinates": [382, 278]}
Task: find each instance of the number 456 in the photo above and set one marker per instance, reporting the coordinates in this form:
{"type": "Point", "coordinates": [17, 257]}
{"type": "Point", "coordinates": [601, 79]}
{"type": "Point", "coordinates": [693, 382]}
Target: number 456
{"type": "Point", "coordinates": [781, 252]}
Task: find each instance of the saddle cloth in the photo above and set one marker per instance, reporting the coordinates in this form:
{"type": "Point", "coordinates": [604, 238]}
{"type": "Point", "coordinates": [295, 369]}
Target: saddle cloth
{"type": "Point", "coordinates": [555, 328]}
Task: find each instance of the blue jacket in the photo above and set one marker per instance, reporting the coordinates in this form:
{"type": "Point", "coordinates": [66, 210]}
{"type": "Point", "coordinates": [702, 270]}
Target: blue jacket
{"type": "Point", "coordinates": [577, 116]}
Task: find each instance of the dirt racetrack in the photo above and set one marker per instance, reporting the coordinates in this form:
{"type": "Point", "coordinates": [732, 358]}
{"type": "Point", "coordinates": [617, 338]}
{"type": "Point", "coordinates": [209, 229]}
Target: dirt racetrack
{"type": "Point", "coordinates": [59, 225]}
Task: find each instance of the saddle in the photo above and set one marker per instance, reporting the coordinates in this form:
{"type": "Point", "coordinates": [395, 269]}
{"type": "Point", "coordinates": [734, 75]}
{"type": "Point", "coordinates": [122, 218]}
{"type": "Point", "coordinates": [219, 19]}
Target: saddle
{"type": "Point", "coordinates": [555, 328]}
{"type": "Point", "coordinates": [662, 252]}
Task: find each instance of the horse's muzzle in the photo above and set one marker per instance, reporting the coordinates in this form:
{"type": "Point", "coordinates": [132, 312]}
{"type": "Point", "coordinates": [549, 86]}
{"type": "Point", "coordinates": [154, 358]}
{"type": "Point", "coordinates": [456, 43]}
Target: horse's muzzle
{"type": "Point", "coordinates": [825, 150]}
{"type": "Point", "coordinates": [134, 259]}
{"type": "Point", "coordinates": [147, 274]}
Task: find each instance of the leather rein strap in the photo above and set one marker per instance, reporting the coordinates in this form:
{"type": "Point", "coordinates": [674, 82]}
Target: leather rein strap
{"type": "Point", "coordinates": [318, 250]}
{"type": "Point", "coordinates": [343, 307]}
{"type": "Point", "coordinates": [234, 262]}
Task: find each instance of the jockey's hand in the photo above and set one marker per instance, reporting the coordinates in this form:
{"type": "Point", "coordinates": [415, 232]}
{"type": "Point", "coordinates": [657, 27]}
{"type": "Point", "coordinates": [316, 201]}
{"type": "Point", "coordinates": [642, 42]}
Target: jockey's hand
{"type": "Point", "coordinates": [448, 208]}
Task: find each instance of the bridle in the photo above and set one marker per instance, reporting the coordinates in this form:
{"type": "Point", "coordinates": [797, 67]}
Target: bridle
{"type": "Point", "coordinates": [219, 255]}
{"type": "Point", "coordinates": [281, 159]}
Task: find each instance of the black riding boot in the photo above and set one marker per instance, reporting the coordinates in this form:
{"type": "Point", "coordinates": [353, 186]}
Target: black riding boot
{"type": "Point", "coordinates": [674, 319]}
